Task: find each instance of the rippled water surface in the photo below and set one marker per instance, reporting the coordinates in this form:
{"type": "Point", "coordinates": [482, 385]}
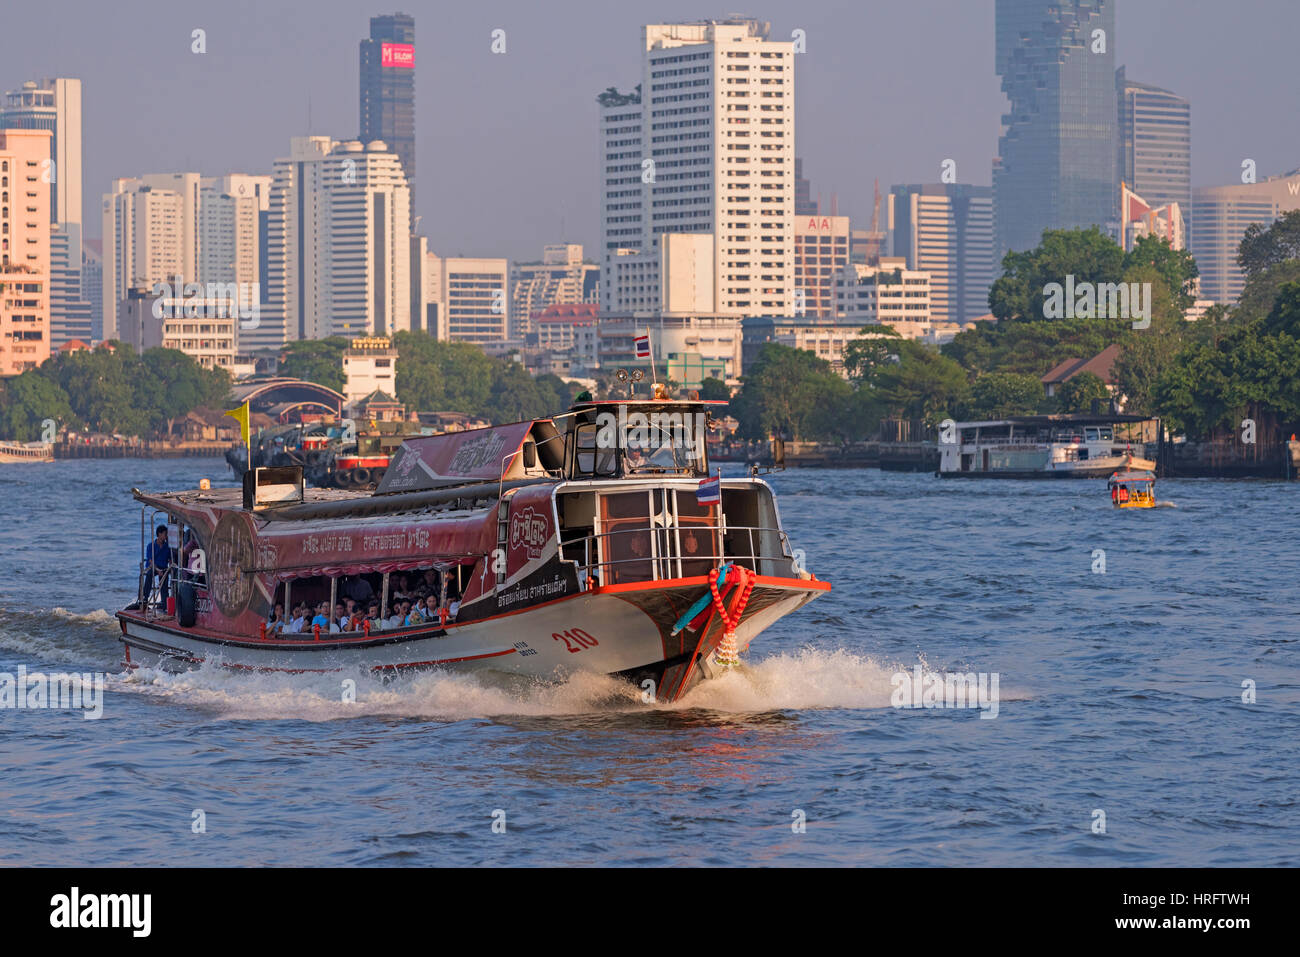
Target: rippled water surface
{"type": "Point", "coordinates": [1120, 692]}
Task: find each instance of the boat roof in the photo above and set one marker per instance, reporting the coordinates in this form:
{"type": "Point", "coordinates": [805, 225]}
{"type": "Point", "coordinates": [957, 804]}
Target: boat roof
{"type": "Point", "coordinates": [1060, 419]}
{"type": "Point", "coordinates": [1133, 476]}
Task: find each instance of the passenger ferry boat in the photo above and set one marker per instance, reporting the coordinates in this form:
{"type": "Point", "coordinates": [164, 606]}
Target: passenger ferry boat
{"type": "Point", "coordinates": [595, 540]}
{"type": "Point", "coordinates": [1047, 446]}
{"type": "Point", "coordinates": [1132, 489]}
{"type": "Point", "coordinates": [26, 452]}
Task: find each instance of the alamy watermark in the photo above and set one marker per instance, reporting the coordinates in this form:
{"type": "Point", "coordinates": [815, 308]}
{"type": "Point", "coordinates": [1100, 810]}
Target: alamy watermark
{"type": "Point", "coordinates": [934, 689]}
{"type": "Point", "coordinates": [57, 692]}
{"type": "Point", "coordinates": [212, 300]}
{"type": "Point", "coordinates": [1105, 300]}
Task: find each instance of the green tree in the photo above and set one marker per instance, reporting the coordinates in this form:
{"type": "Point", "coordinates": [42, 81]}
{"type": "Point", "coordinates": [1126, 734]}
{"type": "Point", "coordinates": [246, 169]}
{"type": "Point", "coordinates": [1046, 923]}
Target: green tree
{"type": "Point", "coordinates": [1175, 267]}
{"type": "Point", "coordinates": [867, 355]}
{"type": "Point", "coordinates": [174, 385]}
{"type": "Point", "coordinates": [714, 389]}
{"type": "Point", "coordinates": [316, 360]}
{"type": "Point", "coordinates": [921, 384]}
{"type": "Point", "coordinates": [435, 376]}
{"type": "Point", "coordinates": [793, 393]}
{"type": "Point", "coordinates": [1263, 247]}
{"type": "Point", "coordinates": [27, 402]}
{"type": "Point", "coordinates": [1079, 392]}
{"type": "Point", "coordinates": [1086, 254]}
{"type": "Point", "coordinates": [996, 395]}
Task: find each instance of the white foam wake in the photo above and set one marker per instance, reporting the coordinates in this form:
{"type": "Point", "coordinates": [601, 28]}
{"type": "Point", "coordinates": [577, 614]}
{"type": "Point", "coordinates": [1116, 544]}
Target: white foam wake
{"type": "Point", "coordinates": [805, 680]}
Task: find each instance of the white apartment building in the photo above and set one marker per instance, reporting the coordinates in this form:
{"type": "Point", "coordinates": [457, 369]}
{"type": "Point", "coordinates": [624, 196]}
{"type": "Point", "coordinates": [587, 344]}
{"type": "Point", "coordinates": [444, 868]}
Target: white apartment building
{"type": "Point", "coordinates": [369, 364]}
{"type": "Point", "coordinates": [472, 297]}
{"type": "Point", "coordinates": [946, 230]}
{"type": "Point", "coordinates": [1220, 215]}
{"type": "Point", "coordinates": [706, 146]}
{"type": "Point", "coordinates": [889, 294]}
{"type": "Point", "coordinates": [675, 276]}
{"type": "Point", "coordinates": [570, 329]}
{"type": "Point", "coordinates": [338, 242]}
{"type": "Point", "coordinates": [202, 328]}
{"type": "Point", "coordinates": [143, 243]}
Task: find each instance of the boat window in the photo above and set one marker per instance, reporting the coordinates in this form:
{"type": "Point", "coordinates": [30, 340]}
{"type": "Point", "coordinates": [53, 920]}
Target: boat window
{"type": "Point", "coordinates": [1090, 434]}
{"type": "Point", "coordinates": [589, 459]}
{"type": "Point", "coordinates": [1106, 435]}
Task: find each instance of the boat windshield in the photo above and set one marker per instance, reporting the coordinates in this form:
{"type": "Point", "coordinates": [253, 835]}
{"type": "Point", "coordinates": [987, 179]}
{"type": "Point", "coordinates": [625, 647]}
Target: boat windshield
{"type": "Point", "coordinates": [661, 449]}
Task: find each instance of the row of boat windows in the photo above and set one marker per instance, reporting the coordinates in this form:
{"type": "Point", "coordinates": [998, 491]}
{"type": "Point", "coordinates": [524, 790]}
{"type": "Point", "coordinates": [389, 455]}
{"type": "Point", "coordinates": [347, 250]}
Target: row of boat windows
{"type": "Point", "coordinates": [412, 599]}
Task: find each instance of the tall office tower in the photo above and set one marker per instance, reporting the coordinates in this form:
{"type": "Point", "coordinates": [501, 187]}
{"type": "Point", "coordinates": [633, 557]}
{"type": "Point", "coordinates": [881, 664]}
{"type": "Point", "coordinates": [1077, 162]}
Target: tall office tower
{"type": "Point", "coordinates": [294, 230]}
{"type": "Point", "coordinates": [338, 243]}
{"type": "Point", "coordinates": [1155, 143]}
{"type": "Point", "coordinates": [145, 242]}
{"type": "Point", "coordinates": [716, 156]}
{"type": "Point", "coordinates": [54, 105]}
{"type": "Point", "coordinates": [388, 91]}
{"type": "Point", "coordinates": [804, 204]}
{"type": "Point", "coordinates": [561, 278]}
{"type": "Point", "coordinates": [92, 284]}
{"type": "Point", "coordinates": [1056, 157]}
{"type": "Point", "coordinates": [1220, 215]}
{"type": "Point", "coordinates": [622, 184]}
{"type": "Point", "coordinates": [946, 230]}
{"type": "Point", "coordinates": [24, 250]}
{"type": "Point", "coordinates": [70, 309]}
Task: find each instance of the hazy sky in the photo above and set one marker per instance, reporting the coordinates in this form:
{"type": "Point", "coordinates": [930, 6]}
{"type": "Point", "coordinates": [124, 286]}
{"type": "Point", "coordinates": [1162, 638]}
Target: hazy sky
{"type": "Point", "coordinates": [507, 150]}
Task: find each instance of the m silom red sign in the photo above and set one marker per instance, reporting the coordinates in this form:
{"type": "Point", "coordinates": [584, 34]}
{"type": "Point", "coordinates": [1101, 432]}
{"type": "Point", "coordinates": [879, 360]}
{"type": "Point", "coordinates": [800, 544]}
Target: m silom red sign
{"type": "Point", "coordinates": [397, 54]}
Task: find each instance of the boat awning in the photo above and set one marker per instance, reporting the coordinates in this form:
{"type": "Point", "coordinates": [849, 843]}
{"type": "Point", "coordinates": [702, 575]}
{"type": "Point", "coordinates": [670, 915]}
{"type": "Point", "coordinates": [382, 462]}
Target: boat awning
{"type": "Point", "coordinates": [1133, 477]}
{"type": "Point", "coordinates": [454, 458]}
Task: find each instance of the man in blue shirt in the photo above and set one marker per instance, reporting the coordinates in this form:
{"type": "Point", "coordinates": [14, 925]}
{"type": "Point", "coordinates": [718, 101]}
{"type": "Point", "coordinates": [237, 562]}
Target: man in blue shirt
{"type": "Point", "coordinates": [156, 558]}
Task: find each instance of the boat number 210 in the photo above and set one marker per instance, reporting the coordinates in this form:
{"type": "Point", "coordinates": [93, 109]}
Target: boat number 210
{"type": "Point", "coordinates": [575, 639]}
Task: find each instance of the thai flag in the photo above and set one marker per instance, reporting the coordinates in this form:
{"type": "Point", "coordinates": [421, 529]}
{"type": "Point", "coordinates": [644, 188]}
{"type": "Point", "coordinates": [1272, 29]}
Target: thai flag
{"type": "Point", "coordinates": [710, 491]}
{"type": "Point", "coordinates": [643, 347]}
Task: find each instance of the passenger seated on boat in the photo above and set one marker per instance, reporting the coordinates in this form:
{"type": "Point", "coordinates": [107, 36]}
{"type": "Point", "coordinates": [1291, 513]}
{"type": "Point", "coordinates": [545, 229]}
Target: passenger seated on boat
{"type": "Point", "coordinates": [295, 624]}
{"type": "Point", "coordinates": [275, 624]}
{"type": "Point", "coordinates": [322, 616]}
{"type": "Point", "coordinates": [340, 620]}
{"type": "Point", "coordinates": [398, 618]}
{"type": "Point", "coordinates": [431, 580]}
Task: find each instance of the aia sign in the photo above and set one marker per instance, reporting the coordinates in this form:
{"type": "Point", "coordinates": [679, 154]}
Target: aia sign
{"type": "Point", "coordinates": [529, 530]}
{"type": "Point", "coordinates": [397, 54]}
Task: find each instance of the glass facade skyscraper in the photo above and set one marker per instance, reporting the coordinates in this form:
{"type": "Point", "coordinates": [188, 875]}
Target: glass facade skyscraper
{"type": "Point", "coordinates": [388, 90]}
{"type": "Point", "coordinates": [1057, 153]}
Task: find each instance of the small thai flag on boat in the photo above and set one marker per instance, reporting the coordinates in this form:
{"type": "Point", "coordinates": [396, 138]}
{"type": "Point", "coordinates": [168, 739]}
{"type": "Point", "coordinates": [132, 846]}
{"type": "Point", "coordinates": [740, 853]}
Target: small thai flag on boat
{"type": "Point", "coordinates": [710, 491]}
{"type": "Point", "coordinates": [643, 347]}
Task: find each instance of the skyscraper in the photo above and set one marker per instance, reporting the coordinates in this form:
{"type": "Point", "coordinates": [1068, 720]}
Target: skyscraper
{"type": "Point", "coordinates": [388, 90]}
{"type": "Point", "coordinates": [706, 146]}
{"type": "Point", "coordinates": [1220, 215]}
{"type": "Point", "coordinates": [946, 229]}
{"type": "Point", "coordinates": [1155, 143]}
{"type": "Point", "coordinates": [1057, 153]}
{"type": "Point", "coordinates": [24, 251]}
{"type": "Point", "coordinates": [338, 243]}
{"type": "Point", "coordinates": [54, 105]}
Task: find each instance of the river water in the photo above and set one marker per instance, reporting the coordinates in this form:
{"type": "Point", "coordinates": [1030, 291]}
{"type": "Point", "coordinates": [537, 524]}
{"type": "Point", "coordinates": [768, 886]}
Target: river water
{"type": "Point", "coordinates": [1121, 735]}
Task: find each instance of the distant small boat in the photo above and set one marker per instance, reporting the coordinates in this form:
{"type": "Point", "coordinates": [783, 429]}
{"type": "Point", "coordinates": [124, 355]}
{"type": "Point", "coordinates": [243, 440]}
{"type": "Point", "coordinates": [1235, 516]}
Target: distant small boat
{"type": "Point", "coordinates": [1133, 489]}
{"type": "Point", "coordinates": [26, 452]}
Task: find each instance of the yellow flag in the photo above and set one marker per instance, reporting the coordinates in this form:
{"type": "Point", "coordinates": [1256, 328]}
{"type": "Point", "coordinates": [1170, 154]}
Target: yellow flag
{"type": "Point", "coordinates": [240, 415]}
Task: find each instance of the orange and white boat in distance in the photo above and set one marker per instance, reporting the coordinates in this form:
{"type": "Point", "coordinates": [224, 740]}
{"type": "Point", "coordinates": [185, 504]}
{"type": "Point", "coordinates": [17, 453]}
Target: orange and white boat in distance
{"type": "Point", "coordinates": [592, 541]}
